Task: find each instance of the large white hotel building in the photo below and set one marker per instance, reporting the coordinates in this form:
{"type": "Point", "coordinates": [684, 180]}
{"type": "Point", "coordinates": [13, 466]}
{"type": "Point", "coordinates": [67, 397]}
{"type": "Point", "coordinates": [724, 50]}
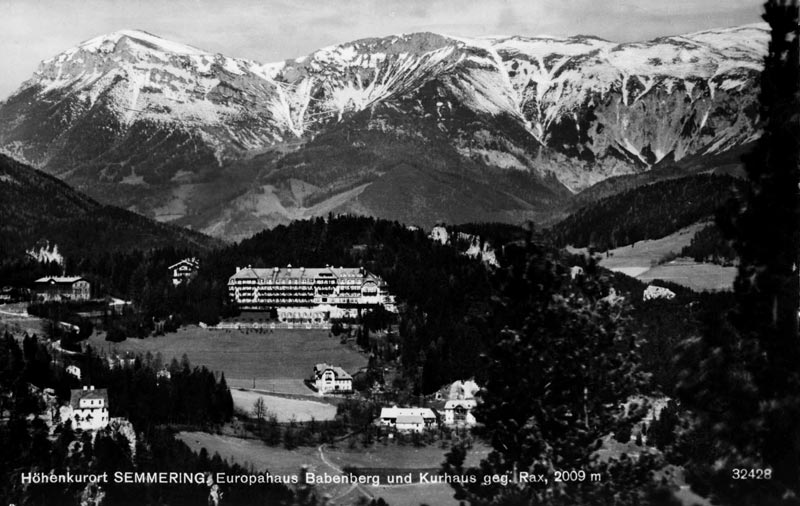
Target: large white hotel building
{"type": "Point", "coordinates": [303, 294]}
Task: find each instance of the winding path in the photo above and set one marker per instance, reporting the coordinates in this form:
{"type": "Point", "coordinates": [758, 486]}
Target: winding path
{"type": "Point", "coordinates": [337, 469]}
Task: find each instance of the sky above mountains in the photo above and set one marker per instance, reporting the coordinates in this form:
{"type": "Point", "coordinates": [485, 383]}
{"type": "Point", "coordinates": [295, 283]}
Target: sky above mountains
{"type": "Point", "coordinates": [273, 30]}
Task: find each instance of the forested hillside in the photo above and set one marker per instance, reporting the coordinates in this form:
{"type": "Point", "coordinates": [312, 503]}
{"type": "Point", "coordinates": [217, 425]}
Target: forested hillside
{"type": "Point", "coordinates": [646, 212]}
{"type": "Point", "coordinates": [708, 245]}
{"type": "Point", "coordinates": [36, 209]}
{"type": "Point", "coordinates": [449, 310]}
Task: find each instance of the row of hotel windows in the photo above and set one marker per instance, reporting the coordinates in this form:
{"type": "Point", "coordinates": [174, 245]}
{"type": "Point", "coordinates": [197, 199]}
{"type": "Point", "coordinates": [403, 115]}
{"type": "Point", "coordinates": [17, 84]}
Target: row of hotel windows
{"type": "Point", "coordinates": [307, 293]}
{"type": "Point", "coordinates": [338, 300]}
{"type": "Point", "coordinates": [262, 281]}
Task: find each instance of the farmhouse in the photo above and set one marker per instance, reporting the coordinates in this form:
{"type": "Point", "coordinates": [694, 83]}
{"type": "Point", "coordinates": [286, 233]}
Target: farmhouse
{"type": "Point", "coordinates": [57, 288]}
{"type": "Point", "coordinates": [88, 409]}
{"type": "Point", "coordinates": [329, 378]}
{"type": "Point", "coordinates": [184, 270]}
{"type": "Point", "coordinates": [407, 419]}
{"type": "Point", "coordinates": [308, 295]}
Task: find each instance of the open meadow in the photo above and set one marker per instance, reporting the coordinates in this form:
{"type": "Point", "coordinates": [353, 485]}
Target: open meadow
{"type": "Point", "coordinates": [278, 460]}
{"type": "Point", "coordinates": [393, 455]}
{"type": "Point", "coordinates": [694, 275]}
{"type": "Point", "coordinates": [14, 318]}
{"type": "Point", "coordinates": [285, 410]}
{"type": "Point", "coordinates": [270, 358]}
{"type": "Point", "coordinates": [649, 260]}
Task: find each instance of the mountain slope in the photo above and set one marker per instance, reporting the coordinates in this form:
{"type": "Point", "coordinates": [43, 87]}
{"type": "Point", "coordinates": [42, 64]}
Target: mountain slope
{"type": "Point", "coordinates": [220, 143]}
{"type": "Point", "coordinates": [651, 211]}
{"type": "Point", "coordinates": [36, 209]}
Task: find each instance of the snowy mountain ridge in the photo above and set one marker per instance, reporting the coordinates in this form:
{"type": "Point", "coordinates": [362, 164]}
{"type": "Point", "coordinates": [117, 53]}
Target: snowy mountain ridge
{"type": "Point", "coordinates": [133, 109]}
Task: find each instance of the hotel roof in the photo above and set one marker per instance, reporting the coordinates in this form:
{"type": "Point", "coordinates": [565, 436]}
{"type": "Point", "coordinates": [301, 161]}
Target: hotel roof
{"type": "Point", "coordinates": [301, 272]}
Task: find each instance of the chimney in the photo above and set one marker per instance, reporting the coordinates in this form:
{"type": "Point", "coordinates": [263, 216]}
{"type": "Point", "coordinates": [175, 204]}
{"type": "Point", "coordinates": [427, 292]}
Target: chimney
{"type": "Point", "coordinates": [85, 387]}
{"type": "Point", "coordinates": [91, 387]}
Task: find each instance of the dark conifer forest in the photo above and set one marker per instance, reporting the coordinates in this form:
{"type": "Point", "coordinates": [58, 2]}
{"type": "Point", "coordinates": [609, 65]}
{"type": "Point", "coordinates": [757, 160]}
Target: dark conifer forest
{"type": "Point", "coordinates": [647, 212]}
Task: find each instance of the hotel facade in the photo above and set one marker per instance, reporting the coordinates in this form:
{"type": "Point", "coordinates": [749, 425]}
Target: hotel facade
{"type": "Point", "coordinates": [310, 295]}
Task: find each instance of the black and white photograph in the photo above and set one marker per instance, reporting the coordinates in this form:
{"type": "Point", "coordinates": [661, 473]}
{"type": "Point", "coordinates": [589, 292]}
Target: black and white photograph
{"type": "Point", "coordinates": [399, 253]}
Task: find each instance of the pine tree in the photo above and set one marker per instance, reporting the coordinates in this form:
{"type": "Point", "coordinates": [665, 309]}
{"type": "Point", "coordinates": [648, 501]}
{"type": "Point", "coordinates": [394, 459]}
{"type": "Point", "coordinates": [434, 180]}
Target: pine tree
{"type": "Point", "coordinates": [744, 383]}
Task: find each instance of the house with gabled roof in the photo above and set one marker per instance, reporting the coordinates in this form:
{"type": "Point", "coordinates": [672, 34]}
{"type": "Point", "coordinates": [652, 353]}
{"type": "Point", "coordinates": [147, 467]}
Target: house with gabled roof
{"type": "Point", "coordinates": [184, 270]}
{"type": "Point", "coordinates": [88, 408]}
{"type": "Point", "coordinates": [332, 379]}
{"type": "Point", "coordinates": [458, 412]}
{"type": "Point", "coordinates": [58, 288]}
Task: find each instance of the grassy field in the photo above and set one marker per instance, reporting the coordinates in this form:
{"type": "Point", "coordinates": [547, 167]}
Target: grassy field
{"type": "Point", "coordinates": [15, 319]}
{"type": "Point", "coordinates": [284, 409]}
{"type": "Point", "coordinates": [645, 254]}
{"type": "Point", "coordinates": [395, 456]}
{"type": "Point", "coordinates": [250, 452]}
{"type": "Point", "coordinates": [244, 356]}
{"type": "Point", "coordinates": [414, 495]}
{"type": "Point", "coordinates": [643, 262]}
{"type": "Point", "coordinates": [289, 386]}
{"type": "Point", "coordinates": [696, 276]}
{"type": "Point", "coordinates": [278, 460]}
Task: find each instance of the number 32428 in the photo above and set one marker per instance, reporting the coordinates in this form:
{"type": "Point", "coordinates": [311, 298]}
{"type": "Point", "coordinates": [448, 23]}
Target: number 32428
{"type": "Point", "coordinates": [751, 474]}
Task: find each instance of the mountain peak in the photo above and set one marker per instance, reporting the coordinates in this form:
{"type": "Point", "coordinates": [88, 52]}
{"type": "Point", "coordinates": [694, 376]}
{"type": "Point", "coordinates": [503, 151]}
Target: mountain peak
{"type": "Point", "coordinates": [106, 43]}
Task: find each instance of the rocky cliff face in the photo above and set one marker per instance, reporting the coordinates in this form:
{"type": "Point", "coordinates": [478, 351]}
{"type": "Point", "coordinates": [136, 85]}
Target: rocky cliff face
{"type": "Point", "coordinates": [502, 128]}
{"type": "Point", "coordinates": [622, 108]}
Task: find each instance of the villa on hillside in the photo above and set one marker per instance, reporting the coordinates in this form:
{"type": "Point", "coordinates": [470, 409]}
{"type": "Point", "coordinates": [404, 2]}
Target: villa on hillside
{"type": "Point", "coordinates": [309, 295]}
{"type": "Point", "coordinates": [458, 412]}
{"type": "Point", "coordinates": [74, 370]}
{"type": "Point", "coordinates": [331, 379]}
{"type": "Point", "coordinates": [88, 409]}
{"type": "Point", "coordinates": [184, 270]}
{"type": "Point", "coordinates": [460, 403]}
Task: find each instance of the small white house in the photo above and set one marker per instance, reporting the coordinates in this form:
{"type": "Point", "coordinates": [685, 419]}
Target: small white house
{"type": "Point", "coordinates": [88, 409]}
{"type": "Point", "coordinates": [407, 419]}
{"type": "Point", "coordinates": [74, 370]}
{"type": "Point", "coordinates": [328, 378]}
{"type": "Point", "coordinates": [458, 412]}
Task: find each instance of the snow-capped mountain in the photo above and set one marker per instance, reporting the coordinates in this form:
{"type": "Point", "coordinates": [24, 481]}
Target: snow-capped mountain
{"type": "Point", "coordinates": [156, 126]}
